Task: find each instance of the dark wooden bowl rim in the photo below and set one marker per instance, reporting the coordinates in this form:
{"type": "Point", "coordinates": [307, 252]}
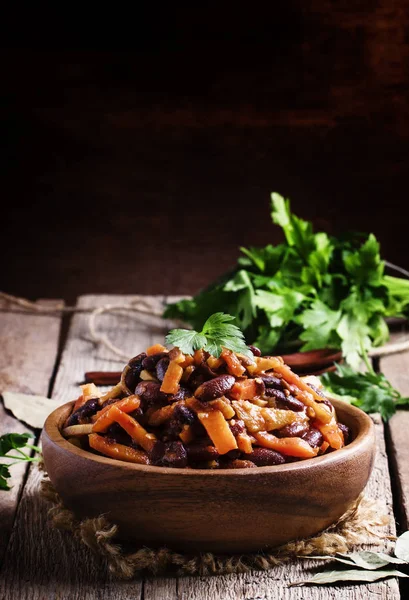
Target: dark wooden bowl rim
{"type": "Point", "coordinates": [363, 422]}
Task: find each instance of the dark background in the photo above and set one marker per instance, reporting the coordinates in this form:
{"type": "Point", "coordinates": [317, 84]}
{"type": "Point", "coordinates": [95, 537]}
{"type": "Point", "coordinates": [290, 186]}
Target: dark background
{"type": "Point", "coordinates": [142, 169]}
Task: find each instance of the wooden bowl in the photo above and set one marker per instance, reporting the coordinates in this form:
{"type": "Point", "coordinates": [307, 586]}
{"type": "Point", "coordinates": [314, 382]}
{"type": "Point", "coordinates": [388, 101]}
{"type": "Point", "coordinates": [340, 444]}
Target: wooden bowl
{"type": "Point", "coordinates": [223, 511]}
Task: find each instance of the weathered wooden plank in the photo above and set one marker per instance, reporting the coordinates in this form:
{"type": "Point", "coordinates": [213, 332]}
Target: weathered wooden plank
{"type": "Point", "coordinates": [23, 368]}
{"type": "Point", "coordinates": [396, 368]}
{"type": "Point", "coordinates": [273, 585]}
{"type": "Point", "coordinates": [58, 567]}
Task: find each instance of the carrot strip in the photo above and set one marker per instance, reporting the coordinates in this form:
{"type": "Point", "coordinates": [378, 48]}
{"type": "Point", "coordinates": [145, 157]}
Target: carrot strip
{"type": "Point", "coordinates": [331, 433]}
{"type": "Point", "coordinates": [307, 395]}
{"type": "Point", "coordinates": [234, 366]}
{"type": "Point", "coordinates": [199, 357]}
{"type": "Point", "coordinates": [136, 431]}
{"type": "Point", "coordinates": [244, 390]}
{"type": "Point", "coordinates": [161, 415]}
{"type": "Point", "coordinates": [324, 447]}
{"type": "Point", "coordinates": [294, 379]}
{"type": "Point", "coordinates": [292, 446]}
{"type": "Point", "coordinates": [187, 362]}
{"type": "Point", "coordinates": [106, 420]}
{"type": "Point", "coordinates": [118, 451]}
{"type": "Point", "coordinates": [155, 349]}
{"type": "Point", "coordinates": [263, 363]}
{"type": "Point", "coordinates": [177, 356]}
{"type": "Point", "coordinates": [128, 405]}
{"type": "Point", "coordinates": [187, 435]}
{"type": "Point", "coordinates": [218, 430]}
{"type": "Point", "coordinates": [224, 406]}
{"type": "Point", "coordinates": [170, 383]}
{"type": "Point", "coordinates": [78, 403]}
{"type": "Point", "coordinates": [244, 443]}
{"type": "Point", "coordinates": [214, 363]}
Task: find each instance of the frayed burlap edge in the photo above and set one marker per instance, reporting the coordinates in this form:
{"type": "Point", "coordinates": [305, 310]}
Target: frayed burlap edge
{"type": "Point", "coordinates": [358, 526]}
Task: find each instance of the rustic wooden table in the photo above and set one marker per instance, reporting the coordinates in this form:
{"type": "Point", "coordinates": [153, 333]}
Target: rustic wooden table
{"type": "Point", "coordinates": [39, 562]}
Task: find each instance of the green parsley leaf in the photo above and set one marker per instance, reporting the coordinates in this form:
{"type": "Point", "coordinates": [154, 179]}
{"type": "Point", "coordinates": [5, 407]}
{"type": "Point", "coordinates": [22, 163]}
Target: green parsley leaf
{"type": "Point", "coordinates": [319, 323]}
{"type": "Point", "coordinates": [371, 392]}
{"type": "Point", "coordinates": [365, 265]}
{"type": "Point", "coordinates": [4, 475]}
{"type": "Point", "coordinates": [13, 441]}
{"type": "Point", "coordinates": [187, 340]}
{"type": "Point", "coordinates": [246, 308]}
{"type": "Point", "coordinates": [279, 306]}
{"type": "Point", "coordinates": [217, 332]}
{"type": "Point", "coordinates": [10, 442]}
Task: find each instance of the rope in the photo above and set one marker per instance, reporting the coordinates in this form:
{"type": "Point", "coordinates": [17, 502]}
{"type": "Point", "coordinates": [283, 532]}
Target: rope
{"type": "Point", "coordinates": [141, 305]}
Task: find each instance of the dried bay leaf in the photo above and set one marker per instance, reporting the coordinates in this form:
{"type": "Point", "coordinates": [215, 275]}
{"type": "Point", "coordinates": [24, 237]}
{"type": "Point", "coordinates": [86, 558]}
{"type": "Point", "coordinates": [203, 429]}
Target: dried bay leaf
{"type": "Point", "coordinates": [402, 547]}
{"type": "Point", "coordinates": [29, 408]}
{"type": "Point", "coordinates": [351, 575]}
{"type": "Point", "coordinates": [368, 560]}
{"type": "Point", "coordinates": [365, 559]}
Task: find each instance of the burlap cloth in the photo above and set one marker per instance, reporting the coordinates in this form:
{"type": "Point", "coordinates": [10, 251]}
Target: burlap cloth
{"type": "Point", "coordinates": [360, 525]}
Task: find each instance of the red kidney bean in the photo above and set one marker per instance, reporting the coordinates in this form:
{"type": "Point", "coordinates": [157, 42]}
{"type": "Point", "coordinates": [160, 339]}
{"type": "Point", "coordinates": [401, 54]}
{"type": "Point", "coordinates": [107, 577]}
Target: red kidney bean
{"type": "Point", "coordinates": [264, 457]}
{"type": "Point", "coordinates": [149, 392]}
{"type": "Point", "coordinates": [270, 381]}
{"type": "Point", "coordinates": [169, 454]}
{"type": "Point", "coordinates": [209, 390]}
{"type": "Point", "coordinates": [201, 452]}
{"type": "Point", "coordinates": [82, 414]}
{"type": "Point", "coordinates": [162, 367]}
{"type": "Point", "coordinates": [181, 394]}
{"type": "Point", "coordinates": [238, 464]}
{"type": "Point", "coordinates": [274, 393]}
{"type": "Point", "coordinates": [182, 415]}
{"type": "Point", "coordinates": [119, 435]}
{"type": "Point", "coordinates": [291, 403]}
{"type": "Point", "coordinates": [135, 368]}
{"type": "Point", "coordinates": [317, 391]}
{"type": "Point", "coordinates": [237, 426]}
{"type": "Point", "coordinates": [256, 351]}
{"type": "Point", "coordinates": [149, 362]}
{"type": "Point", "coordinates": [199, 375]}
{"type": "Point", "coordinates": [313, 437]}
{"type": "Point", "coordinates": [292, 430]}
{"type": "Point", "coordinates": [328, 403]}
{"type": "Point", "coordinates": [346, 432]}
{"type": "Point", "coordinates": [283, 401]}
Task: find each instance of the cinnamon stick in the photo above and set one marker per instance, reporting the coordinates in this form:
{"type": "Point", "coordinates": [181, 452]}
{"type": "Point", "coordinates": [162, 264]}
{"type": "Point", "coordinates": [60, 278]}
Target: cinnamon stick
{"type": "Point", "coordinates": [103, 377]}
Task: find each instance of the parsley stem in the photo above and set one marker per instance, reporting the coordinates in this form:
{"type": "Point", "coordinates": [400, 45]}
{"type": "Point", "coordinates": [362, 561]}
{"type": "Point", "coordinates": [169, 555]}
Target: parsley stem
{"type": "Point", "coordinates": [24, 457]}
{"type": "Point", "coordinates": [366, 360]}
{"type": "Point", "coordinates": [36, 448]}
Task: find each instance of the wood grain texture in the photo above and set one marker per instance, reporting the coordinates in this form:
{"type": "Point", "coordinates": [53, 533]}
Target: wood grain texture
{"type": "Point", "coordinates": [396, 369]}
{"type": "Point", "coordinates": [74, 573]}
{"type": "Point", "coordinates": [59, 567]}
{"type": "Point", "coordinates": [23, 368]}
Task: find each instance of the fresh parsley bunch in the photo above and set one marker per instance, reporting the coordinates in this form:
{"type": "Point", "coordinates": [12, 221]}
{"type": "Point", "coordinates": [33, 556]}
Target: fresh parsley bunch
{"type": "Point", "coordinates": [14, 442]}
{"type": "Point", "coordinates": [312, 291]}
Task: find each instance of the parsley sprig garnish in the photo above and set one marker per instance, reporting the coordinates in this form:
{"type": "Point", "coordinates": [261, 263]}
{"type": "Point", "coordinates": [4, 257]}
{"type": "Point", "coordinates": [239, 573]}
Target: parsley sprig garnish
{"type": "Point", "coordinates": [14, 442]}
{"type": "Point", "coordinates": [217, 333]}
